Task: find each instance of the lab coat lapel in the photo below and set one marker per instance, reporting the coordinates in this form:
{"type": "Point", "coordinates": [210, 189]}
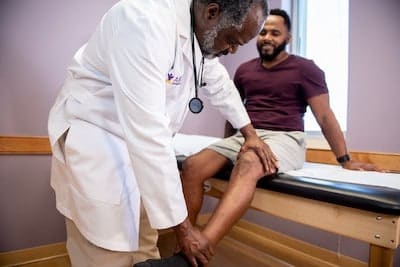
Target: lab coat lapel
{"type": "Point", "coordinates": [184, 31]}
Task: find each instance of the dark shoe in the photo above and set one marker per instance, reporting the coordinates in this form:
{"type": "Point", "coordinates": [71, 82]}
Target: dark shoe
{"type": "Point", "coordinates": [177, 260]}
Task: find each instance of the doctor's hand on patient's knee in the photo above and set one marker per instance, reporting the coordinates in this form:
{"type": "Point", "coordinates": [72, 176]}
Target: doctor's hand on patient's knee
{"type": "Point", "coordinates": [192, 243]}
{"type": "Point", "coordinates": [264, 153]}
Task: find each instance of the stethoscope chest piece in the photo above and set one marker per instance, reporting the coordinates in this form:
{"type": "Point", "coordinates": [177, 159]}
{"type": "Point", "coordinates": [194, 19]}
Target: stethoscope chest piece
{"type": "Point", "coordinates": [196, 105]}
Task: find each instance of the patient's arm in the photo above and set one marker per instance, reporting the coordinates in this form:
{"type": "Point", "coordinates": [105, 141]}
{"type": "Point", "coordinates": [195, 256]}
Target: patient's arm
{"type": "Point", "coordinates": [332, 132]}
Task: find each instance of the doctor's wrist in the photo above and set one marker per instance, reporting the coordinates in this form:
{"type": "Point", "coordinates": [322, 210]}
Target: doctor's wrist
{"type": "Point", "coordinates": [248, 131]}
{"type": "Point", "coordinates": [183, 227]}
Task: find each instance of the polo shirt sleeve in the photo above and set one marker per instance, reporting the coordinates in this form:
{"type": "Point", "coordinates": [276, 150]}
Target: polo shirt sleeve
{"type": "Point", "coordinates": [313, 79]}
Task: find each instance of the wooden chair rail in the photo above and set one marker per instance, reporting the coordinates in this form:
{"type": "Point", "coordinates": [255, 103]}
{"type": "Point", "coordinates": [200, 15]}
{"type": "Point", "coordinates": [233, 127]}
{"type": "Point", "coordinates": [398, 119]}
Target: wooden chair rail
{"type": "Point", "coordinates": [386, 161]}
{"type": "Point", "coordinates": [24, 145]}
{"type": "Point", "coordinates": [39, 145]}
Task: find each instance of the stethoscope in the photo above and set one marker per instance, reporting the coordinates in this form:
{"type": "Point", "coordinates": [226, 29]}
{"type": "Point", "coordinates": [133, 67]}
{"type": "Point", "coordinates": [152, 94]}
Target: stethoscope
{"type": "Point", "coordinates": [195, 104]}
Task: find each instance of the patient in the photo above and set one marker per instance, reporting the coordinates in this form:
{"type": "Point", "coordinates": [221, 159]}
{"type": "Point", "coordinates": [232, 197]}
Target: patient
{"type": "Point", "coordinates": [276, 88]}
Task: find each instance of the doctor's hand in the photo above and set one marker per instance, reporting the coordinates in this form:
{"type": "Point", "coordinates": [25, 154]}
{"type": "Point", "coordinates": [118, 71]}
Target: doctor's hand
{"type": "Point", "coordinates": [263, 151]}
{"type": "Point", "coordinates": [193, 244]}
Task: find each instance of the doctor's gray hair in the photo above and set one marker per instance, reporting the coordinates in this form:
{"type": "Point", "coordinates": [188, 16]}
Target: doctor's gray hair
{"type": "Point", "coordinates": [233, 12]}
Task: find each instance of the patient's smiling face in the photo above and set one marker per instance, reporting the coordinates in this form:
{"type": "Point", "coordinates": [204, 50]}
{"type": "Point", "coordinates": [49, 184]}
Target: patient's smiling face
{"type": "Point", "coordinates": [273, 38]}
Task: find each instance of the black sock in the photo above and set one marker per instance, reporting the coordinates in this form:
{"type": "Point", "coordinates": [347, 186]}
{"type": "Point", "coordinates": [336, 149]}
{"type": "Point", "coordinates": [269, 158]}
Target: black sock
{"type": "Point", "coordinates": [177, 260]}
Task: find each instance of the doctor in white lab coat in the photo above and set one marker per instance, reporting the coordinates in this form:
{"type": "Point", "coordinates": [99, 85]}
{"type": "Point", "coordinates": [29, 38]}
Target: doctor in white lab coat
{"type": "Point", "coordinates": [126, 94]}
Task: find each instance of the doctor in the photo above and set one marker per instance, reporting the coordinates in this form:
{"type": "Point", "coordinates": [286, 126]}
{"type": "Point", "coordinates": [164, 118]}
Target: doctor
{"type": "Point", "coordinates": [126, 93]}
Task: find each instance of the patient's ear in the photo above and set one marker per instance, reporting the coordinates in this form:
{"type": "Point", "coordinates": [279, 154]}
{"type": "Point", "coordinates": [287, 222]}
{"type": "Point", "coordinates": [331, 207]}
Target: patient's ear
{"type": "Point", "coordinates": [289, 38]}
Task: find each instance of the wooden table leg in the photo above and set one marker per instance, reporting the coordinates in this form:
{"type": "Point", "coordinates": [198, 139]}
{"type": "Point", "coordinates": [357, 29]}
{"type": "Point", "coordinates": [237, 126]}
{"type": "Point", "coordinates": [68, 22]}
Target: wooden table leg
{"type": "Point", "coordinates": [380, 256]}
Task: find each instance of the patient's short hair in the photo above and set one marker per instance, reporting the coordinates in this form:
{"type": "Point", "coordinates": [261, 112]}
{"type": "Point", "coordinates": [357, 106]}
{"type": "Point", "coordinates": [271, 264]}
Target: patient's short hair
{"type": "Point", "coordinates": [284, 15]}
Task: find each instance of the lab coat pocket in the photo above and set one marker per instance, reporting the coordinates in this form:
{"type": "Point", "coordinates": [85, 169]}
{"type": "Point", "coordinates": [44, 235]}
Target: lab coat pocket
{"type": "Point", "coordinates": [96, 162]}
{"type": "Point", "coordinates": [57, 148]}
{"type": "Point", "coordinates": [174, 78]}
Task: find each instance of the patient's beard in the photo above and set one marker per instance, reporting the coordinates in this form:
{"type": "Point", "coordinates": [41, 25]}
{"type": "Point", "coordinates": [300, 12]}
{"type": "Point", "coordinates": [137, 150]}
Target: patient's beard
{"type": "Point", "coordinates": [275, 53]}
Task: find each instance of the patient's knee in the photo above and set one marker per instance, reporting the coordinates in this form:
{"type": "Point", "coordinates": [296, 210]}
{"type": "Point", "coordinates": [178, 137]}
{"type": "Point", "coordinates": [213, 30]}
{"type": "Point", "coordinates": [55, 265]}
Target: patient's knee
{"type": "Point", "coordinates": [249, 165]}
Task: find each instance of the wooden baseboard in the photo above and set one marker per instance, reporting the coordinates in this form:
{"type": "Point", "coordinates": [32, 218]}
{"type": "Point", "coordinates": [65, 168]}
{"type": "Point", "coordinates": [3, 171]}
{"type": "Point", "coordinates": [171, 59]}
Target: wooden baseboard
{"type": "Point", "coordinates": [56, 254]}
{"type": "Point", "coordinates": [281, 247]}
{"type": "Point", "coordinates": [42, 256]}
{"type": "Point", "coordinates": [246, 245]}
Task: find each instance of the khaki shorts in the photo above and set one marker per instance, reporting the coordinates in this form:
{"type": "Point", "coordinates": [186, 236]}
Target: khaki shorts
{"type": "Point", "coordinates": [288, 147]}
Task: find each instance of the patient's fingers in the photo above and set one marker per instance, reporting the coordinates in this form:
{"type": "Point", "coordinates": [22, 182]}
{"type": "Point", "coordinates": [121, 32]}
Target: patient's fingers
{"type": "Point", "coordinates": [361, 166]}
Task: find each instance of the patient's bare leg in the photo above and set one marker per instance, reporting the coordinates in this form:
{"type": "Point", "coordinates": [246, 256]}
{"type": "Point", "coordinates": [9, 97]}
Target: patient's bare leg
{"type": "Point", "coordinates": [195, 170]}
{"type": "Point", "coordinates": [237, 198]}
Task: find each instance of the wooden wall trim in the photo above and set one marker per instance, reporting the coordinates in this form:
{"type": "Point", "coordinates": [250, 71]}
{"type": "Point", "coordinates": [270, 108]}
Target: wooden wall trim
{"type": "Point", "coordinates": [24, 145]}
{"type": "Point", "coordinates": [386, 161]}
{"type": "Point", "coordinates": [45, 256]}
{"type": "Point", "coordinates": [40, 145]}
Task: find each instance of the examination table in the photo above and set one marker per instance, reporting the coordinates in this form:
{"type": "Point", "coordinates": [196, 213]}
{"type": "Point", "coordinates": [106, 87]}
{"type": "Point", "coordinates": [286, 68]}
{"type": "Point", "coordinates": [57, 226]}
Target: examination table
{"type": "Point", "coordinates": [367, 209]}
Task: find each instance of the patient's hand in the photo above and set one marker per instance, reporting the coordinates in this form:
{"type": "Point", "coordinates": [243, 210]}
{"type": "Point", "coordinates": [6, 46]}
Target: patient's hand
{"type": "Point", "coordinates": [361, 166]}
{"type": "Point", "coordinates": [193, 244]}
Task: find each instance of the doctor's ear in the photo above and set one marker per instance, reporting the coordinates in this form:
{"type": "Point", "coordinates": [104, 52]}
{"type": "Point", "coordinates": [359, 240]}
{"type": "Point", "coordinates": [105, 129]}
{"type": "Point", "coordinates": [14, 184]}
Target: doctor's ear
{"type": "Point", "coordinates": [212, 11]}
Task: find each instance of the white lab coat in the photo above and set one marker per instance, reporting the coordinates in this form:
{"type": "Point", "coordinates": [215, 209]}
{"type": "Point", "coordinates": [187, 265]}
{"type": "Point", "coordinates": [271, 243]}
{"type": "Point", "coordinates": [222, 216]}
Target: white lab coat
{"type": "Point", "coordinates": [125, 95]}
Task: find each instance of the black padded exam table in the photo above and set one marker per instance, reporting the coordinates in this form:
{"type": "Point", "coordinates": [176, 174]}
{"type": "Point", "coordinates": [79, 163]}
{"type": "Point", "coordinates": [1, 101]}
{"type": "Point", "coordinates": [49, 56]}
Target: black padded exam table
{"type": "Point", "coordinates": [363, 212]}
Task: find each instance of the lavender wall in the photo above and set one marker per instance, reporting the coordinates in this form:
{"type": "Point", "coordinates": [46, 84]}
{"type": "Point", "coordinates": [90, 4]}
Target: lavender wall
{"type": "Point", "coordinates": [37, 40]}
{"type": "Point", "coordinates": [374, 80]}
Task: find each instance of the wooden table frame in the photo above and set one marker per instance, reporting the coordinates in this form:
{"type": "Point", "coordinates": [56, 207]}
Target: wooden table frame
{"type": "Point", "coordinates": [380, 231]}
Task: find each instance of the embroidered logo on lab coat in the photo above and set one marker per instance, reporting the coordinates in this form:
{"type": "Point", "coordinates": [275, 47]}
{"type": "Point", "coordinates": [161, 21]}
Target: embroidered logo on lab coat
{"type": "Point", "coordinates": [172, 79]}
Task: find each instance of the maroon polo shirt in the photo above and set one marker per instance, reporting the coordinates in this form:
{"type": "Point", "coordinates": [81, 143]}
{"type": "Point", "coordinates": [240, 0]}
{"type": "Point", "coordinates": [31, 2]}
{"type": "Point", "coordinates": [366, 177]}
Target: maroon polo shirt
{"type": "Point", "coordinates": [276, 98]}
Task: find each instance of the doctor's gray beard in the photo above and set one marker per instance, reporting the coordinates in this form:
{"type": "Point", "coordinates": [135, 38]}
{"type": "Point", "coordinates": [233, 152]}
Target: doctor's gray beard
{"type": "Point", "coordinates": [207, 46]}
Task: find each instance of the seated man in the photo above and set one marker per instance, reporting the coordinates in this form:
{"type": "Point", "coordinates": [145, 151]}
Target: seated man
{"type": "Point", "coordinates": [276, 89]}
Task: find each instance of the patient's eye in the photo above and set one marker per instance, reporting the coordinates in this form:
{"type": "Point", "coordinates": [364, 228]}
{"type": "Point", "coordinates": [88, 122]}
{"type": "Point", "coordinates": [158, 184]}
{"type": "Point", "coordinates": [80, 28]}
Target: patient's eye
{"type": "Point", "coordinates": [275, 33]}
